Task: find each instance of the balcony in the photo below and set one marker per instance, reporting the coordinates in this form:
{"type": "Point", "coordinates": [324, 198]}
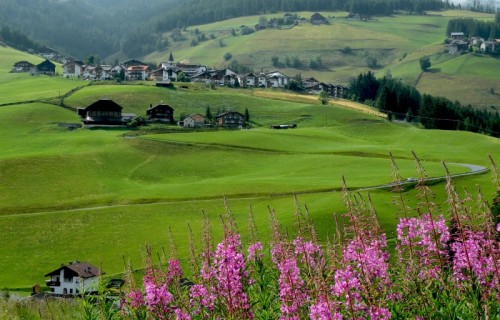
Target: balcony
{"type": "Point", "coordinates": [52, 283]}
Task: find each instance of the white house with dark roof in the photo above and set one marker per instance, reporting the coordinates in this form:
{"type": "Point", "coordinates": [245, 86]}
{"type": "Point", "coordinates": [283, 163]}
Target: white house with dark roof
{"type": "Point", "coordinates": [73, 69]}
{"type": "Point", "coordinates": [74, 278]}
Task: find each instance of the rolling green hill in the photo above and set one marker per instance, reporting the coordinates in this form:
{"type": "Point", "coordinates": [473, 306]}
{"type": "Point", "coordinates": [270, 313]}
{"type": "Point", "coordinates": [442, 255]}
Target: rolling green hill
{"type": "Point", "coordinates": [345, 47]}
{"type": "Point", "coordinates": [99, 195]}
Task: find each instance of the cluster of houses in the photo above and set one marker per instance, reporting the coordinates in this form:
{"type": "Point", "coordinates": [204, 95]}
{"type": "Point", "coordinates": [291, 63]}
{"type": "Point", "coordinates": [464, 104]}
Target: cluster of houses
{"type": "Point", "coordinates": [46, 67]}
{"type": "Point", "coordinates": [458, 43]}
{"type": "Point", "coordinates": [171, 71]}
{"type": "Point", "coordinates": [106, 112]}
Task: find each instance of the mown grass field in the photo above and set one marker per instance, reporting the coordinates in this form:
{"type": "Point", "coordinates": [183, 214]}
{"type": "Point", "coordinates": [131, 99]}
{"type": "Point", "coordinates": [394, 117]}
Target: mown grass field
{"type": "Point", "coordinates": [99, 195]}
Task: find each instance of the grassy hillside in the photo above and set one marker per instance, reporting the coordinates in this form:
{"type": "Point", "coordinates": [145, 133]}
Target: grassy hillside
{"type": "Point", "coordinates": [18, 87]}
{"type": "Point", "coordinates": [397, 43]}
{"type": "Point", "coordinates": [108, 192]}
{"type": "Point", "coordinates": [100, 194]}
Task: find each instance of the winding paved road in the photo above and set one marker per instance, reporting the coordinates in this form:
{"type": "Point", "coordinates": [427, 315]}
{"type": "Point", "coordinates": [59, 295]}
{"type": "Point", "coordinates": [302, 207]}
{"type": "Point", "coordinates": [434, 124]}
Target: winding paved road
{"type": "Point", "coordinates": [474, 169]}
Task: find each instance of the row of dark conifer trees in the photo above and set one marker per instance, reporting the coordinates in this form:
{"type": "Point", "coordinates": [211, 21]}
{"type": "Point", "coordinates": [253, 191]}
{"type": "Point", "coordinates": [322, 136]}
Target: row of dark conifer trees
{"type": "Point", "coordinates": [404, 102]}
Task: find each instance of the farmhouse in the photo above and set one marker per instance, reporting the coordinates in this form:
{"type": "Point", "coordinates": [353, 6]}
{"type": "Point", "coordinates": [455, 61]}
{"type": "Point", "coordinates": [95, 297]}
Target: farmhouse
{"type": "Point", "coordinates": [194, 120]}
{"type": "Point", "coordinates": [230, 119]}
{"type": "Point", "coordinates": [73, 69]}
{"type": "Point", "coordinates": [102, 112]}
{"type": "Point", "coordinates": [22, 66]}
{"type": "Point", "coordinates": [74, 278]}
{"type": "Point", "coordinates": [46, 67]}
{"type": "Point", "coordinates": [310, 82]}
{"type": "Point", "coordinates": [317, 19]}
{"type": "Point", "coordinates": [136, 72]}
{"type": "Point", "coordinates": [458, 46]}
{"type": "Point", "coordinates": [48, 53]}
{"type": "Point", "coordinates": [160, 113]}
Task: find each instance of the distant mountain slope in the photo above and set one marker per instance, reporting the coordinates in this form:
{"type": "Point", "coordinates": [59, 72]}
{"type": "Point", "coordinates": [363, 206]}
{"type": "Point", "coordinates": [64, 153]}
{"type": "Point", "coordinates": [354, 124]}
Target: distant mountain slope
{"type": "Point", "coordinates": [90, 27]}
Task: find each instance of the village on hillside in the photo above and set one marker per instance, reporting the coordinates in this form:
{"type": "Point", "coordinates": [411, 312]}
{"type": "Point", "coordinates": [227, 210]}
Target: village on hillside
{"type": "Point", "coordinates": [106, 112]}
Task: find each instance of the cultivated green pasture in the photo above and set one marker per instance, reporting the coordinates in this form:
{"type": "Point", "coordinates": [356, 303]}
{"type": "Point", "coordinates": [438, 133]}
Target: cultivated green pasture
{"type": "Point", "coordinates": [99, 195]}
{"type": "Point", "coordinates": [470, 79]}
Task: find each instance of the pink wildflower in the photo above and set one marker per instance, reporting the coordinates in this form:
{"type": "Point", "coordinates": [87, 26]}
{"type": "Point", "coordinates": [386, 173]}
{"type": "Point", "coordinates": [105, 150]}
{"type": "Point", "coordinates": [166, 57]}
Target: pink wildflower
{"type": "Point", "coordinates": [229, 268]}
{"type": "Point", "coordinates": [428, 239]}
{"type": "Point", "coordinates": [158, 298]}
{"type": "Point", "coordinates": [201, 298]}
{"type": "Point", "coordinates": [472, 258]}
{"type": "Point", "coordinates": [321, 311]}
{"type": "Point", "coordinates": [310, 254]}
{"type": "Point", "coordinates": [136, 299]}
{"type": "Point", "coordinates": [252, 251]}
{"type": "Point", "coordinates": [174, 271]}
{"type": "Point", "coordinates": [379, 313]}
{"type": "Point", "coordinates": [293, 292]}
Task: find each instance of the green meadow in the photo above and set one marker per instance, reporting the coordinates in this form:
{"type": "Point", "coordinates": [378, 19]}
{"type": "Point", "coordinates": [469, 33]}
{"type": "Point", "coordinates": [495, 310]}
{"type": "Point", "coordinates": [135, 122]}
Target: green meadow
{"type": "Point", "coordinates": [100, 195]}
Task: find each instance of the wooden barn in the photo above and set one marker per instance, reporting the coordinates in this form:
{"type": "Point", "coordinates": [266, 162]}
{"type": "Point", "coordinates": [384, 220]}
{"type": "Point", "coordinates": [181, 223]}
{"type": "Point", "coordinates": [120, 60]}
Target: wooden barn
{"type": "Point", "coordinates": [102, 112]}
{"type": "Point", "coordinates": [231, 119]}
{"type": "Point", "coordinates": [160, 113]}
{"type": "Point", "coordinates": [46, 67]}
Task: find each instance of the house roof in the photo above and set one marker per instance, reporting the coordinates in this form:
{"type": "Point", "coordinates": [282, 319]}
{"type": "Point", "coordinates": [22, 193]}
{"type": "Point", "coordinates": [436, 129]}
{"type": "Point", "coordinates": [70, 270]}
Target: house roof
{"type": "Point", "coordinates": [196, 117]}
{"type": "Point", "coordinates": [317, 16]}
{"type": "Point", "coordinates": [46, 64]}
{"type": "Point", "coordinates": [137, 68]}
{"type": "Point", "coordinates": [228, 112]}
{"type": "Point", "coordinates": [161, 105]}
{"type": "Point", "coordinates": [79, 269]}
{"type": "Point", "coordinates": [133, 62]}
{"type": "Point", "coordinates": [24, 62]}
{"type": "Point", "coordinates": [104, 104]}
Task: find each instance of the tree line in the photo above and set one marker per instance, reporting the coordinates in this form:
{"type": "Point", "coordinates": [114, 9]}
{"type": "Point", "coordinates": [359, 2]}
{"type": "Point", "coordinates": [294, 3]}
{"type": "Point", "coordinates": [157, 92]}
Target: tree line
{"type": "Point", "coordinates": [18, 40]}
{"type": "Point", "coordinates": [474, 27]}
{"type": "Point", "coordinates": [403, 101]}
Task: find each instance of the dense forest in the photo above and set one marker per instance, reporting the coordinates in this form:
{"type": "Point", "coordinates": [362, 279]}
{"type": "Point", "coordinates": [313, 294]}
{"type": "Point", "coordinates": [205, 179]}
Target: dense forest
{"type": "Point", "coordinates": [404, 102]}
